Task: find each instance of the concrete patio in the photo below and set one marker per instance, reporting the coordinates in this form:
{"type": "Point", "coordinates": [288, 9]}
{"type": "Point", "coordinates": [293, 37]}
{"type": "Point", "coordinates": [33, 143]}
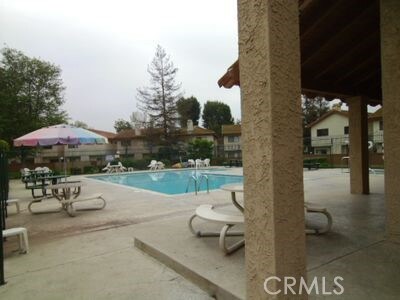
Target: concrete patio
{"type": "Point", "coordinates": [93, 255]}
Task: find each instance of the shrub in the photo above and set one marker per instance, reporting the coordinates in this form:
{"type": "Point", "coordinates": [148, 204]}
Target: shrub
{"type": "Point", "coordinates": [138, 164]}
{"type": "Point", "coordinates": [219, 161]}
{"type": "Point", "coordinates": [166, 162]}
{"type": "Point", "coordinates": [14, 175]}
{"type": "Point", "coordinates": [76, 171]}
{"type": "Point", "coordinates": [200, 149]}
{"type": "Point", "coordinates": [90, 170]}
{"type": "Point", "coordinates": [4, 146]}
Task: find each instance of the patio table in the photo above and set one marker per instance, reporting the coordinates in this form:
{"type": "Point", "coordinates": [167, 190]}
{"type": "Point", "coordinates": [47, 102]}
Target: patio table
{"type": "Point", "coordinates": [66, 190]}
{"type": "Point", "coordinates": [60, 191]}
{"type": "Point", "coordinates": [40, 184]}
{"type": "Point", "coordinates": [233, 189]}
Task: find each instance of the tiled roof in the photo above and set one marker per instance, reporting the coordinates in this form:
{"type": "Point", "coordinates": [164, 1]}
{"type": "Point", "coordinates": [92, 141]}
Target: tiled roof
{"type": "Point", "coordinates": [107, 134]}
{"type": "Point", "coordinates": [231, 129]}
{"type": "Point", "coordinates": [197, 130]}
{"type": "Point", "coordinates": [376, 115]}
{"type": "Point", "coordinates": [130, 133]}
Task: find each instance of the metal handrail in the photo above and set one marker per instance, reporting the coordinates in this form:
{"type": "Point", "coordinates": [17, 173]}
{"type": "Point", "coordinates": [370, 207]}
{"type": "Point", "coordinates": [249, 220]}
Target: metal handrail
{"type": "Point", "coordinates": [197, 180]}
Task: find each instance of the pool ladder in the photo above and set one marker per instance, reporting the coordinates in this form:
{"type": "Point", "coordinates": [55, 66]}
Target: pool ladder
{"type": "Point", "coordinates": [197, 181]}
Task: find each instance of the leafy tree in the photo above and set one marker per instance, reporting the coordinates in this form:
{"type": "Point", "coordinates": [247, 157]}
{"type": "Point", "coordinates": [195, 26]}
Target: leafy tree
{"type": "Point", "coordinates": [188, 109]}
{"type": "Point", "coordinates": [31, 94]}
{"type": "Point", "coordinates": [80, 124]}
{"type": "Point", "coordinates": [159, 99]}
{"type": "Point", "coordinates": [200, 148]}
{"type": "Point", "coordinates": [216, 114]}
{"type": "Point", "coordinates": [121, 124]}
{"type": "Point", "coordinates": [313, 108]}
{"type": "Point", "coordinates": [4, 146]}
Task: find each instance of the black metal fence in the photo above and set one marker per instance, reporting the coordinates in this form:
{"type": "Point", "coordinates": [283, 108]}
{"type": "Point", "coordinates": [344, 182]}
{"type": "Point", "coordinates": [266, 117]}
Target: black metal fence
{"type": "Point", "coordinates": [3, 207]}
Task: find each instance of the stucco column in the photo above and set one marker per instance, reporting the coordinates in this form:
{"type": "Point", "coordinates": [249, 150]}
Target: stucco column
{"type": "Point", "coordinates": [269, 58]}
{"type": "Point", "coordinates": [390, 59]}
{"type": "Point", "coordinates": [358, 137]}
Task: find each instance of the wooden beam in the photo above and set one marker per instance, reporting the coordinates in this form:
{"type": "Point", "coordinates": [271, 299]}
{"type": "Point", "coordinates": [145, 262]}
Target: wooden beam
{"type": "Point", "coordinates": [358, 67]}
{"type": "Point", "coordinates": [305, 32]}
{"type": "Point", "coordinates": [329, 89]}
{"type": "Point", "coordinates": [332, 40]}
{"type": "Point", "coordinates": [349, 52]}
{"type": "Point", "coordinates": [304, 4]}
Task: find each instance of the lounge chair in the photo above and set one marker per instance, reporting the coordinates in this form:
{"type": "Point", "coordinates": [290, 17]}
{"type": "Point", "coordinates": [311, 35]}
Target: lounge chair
{"type": "Point", "coordinates": [121, 167]}
{"type": "Point", "coordinates": [107, 168]}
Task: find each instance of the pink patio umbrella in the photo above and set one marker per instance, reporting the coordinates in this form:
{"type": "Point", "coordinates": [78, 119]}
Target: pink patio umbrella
{"type": "Point", "coordinates": [59, 135]}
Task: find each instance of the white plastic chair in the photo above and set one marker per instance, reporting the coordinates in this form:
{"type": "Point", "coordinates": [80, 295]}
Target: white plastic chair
{"type": "Point", "coordinates": [39, 170]}
{"type": "Point", "coordinates": [191, 163]}
{"type": "Point", "coordinates": [199, 163]}
{"type": "Point", "coordinates": [160, 165]}
{"type": "Point", "coordinates": [153, 165]}
{"type": "Point", "coordinates": [22, 234]}
{"type": "Point", "coordinates": [46, 170]}
{"type": "Point", "coordinates": [206, 162]}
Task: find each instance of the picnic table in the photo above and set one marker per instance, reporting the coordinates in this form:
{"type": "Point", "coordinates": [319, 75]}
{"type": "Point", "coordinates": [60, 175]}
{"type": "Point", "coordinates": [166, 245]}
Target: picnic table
{"type": "Point", "coordinates": [67, 193]}
{"type": "Point", "coordinates": [40, 183]}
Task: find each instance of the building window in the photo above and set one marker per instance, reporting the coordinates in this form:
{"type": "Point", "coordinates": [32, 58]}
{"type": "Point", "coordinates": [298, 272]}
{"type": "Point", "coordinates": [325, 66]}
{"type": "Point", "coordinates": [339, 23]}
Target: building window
{"type": "Point", "coordinates": [233, 139]}
{"type": "Point", "coordinates": [323, 132]}
{"type": "Point", "coordinates": [381, 125]}
{"type": "Point", "coordinates": [72, 146]}
{"type": "Point", "coordinates": [346, 129]}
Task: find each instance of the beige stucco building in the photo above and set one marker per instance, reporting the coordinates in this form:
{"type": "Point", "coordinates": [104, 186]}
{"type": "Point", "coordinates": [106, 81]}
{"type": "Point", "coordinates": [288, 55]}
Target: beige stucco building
{"type": "Point", "coordinates": [232, 146]}
{"type": "Point", "coordinates": [329, 133]}
{"type": "Point", "coordinates": [375, 130]}
{"type": "Point", "coordinates": [144, 143]}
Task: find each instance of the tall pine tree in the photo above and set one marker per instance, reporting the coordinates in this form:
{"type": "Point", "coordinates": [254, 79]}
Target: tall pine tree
{"type": "Point", "coordinates": [159, 99]}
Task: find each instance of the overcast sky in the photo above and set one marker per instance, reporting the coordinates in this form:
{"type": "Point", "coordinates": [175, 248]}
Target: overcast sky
{"type": "Point", "coordinates": [104, 47]}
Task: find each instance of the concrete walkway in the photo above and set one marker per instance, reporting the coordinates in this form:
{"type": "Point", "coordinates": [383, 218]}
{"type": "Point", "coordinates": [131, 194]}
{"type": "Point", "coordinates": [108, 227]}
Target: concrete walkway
{"type": "Point", "coordinates": [92, 256]}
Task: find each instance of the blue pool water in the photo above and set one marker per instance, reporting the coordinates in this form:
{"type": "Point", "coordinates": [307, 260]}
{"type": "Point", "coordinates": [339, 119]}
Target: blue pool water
{"type": "Point", "coordinates": [170, 182]}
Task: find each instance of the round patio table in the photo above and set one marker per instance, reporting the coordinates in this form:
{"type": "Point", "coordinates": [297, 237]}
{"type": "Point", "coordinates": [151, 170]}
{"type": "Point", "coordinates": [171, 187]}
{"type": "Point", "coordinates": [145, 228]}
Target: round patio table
{"type": "Point", "coordinates": [234, 188]}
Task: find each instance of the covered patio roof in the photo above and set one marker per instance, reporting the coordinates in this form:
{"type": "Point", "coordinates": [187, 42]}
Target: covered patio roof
{"type": "Point", "coordinates": [340, 50]}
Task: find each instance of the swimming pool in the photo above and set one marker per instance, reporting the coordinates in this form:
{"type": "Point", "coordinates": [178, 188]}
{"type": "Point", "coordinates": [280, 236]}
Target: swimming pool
{"type": "Point", "coordinates": [170, 182]}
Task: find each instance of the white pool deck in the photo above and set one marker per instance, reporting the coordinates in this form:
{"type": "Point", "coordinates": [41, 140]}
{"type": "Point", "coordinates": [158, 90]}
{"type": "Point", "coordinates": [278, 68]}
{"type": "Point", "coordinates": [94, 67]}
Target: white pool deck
{"type": "Point", "coordinates": [93, 255]}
